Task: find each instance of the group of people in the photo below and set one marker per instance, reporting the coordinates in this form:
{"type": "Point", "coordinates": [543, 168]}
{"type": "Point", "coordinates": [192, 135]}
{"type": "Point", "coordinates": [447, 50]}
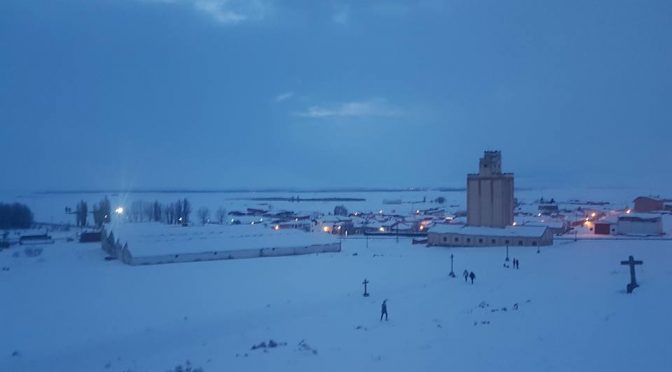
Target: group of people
{"type": "Point", "coordinates": [469, 275]}
{"type": "Point", "coordinates": [515, 264]}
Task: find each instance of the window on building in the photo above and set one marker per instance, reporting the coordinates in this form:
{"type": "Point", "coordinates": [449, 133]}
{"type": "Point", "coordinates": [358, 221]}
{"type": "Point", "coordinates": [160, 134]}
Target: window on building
{"type": "Point", "coordinates": [445, 239]}
{"type": "Point", "coordinates": [468, 240]}
{"type": "Point", "coordinates": [534, 243]}
{"type": "Point", "coordinates": [507, 242]}
{"type": "Point", "coordinates": [457, 239]}
{"type": "Point", "coordinates": [480, 240]}
{"type": "Point", "coordinates": [520, 242]}
{"type": "Point", "coordinates": [493, 241]}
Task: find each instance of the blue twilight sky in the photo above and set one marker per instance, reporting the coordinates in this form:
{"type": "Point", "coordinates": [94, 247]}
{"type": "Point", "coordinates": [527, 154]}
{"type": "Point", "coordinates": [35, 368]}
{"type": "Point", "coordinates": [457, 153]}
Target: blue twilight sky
{"type": "Point", "coordinates": [271, 93]}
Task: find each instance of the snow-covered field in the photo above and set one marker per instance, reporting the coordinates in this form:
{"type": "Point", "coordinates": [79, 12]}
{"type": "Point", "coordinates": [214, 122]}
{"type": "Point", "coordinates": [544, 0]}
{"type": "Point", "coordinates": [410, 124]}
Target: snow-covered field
{"type": "Point", "coordinates": [69, 309]}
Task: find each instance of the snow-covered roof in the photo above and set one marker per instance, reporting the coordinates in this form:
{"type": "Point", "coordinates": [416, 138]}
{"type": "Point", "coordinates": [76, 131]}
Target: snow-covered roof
{"type": "Point", "coordinates": [640, 216]}
{"type": "Point", "coordinates": [656, 198]}
{"type": "Point", "coordinates": [509, 231]}
{"type": "Point", "coordinates": [551, 224]}
{"type": "Point", "coordinates": [607, 220]}
{"type": "Point", "coordinates": [293, 222]}
{"type": "Point", "coordinates": [154, 238]}
{"type": "Point", "coordinates": [335, 219]}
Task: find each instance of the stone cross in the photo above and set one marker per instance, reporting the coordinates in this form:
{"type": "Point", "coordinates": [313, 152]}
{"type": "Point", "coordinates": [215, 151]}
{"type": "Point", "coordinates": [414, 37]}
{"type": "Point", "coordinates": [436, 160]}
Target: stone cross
{"type": "Point", "coordinates": [365, 282]}
{"type": "Point", "coordinates": [633, 280]}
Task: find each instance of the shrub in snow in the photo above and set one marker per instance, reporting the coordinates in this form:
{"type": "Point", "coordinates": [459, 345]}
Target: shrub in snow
{"type": "Point", "coordinates": [303, 346]}
{"type": "Point", "coordinates": [15, 216]}
{"type": "Point", "coordinates": [187, 368]}
{"type": "Point", "coordinates": [32, 252]}
{"type": "Point", "coordinates": [271, 344]}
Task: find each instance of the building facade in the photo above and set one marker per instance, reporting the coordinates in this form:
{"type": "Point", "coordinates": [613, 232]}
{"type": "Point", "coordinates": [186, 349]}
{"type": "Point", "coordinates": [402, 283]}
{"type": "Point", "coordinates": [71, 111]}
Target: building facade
{"type": "Point", "coordinates": [641, 224]}
{"type": "Point", "coordinates": [490, 201]}
{"type": "Point", "coordinates": [646, 204]}
{"type": "Point", "coordinates": [469, 236]}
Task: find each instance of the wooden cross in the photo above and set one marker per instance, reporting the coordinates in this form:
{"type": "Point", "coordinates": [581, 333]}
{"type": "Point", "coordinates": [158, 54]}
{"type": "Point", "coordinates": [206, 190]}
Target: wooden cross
{"type": "Point", "coordinates": [365, 282]}
{"type": "Point", "coordinates": [633, 280]}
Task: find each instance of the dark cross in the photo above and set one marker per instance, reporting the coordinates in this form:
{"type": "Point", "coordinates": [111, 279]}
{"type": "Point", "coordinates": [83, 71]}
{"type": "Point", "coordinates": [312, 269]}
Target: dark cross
{"type": "Point", "coordinates": [633, 281]}
{"type": "Point", "coordinates": [365, 282]}
{"type": "Point", "coordinates": [452, 273]}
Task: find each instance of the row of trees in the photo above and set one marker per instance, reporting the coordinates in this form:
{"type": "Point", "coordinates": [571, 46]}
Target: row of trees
{"type": "Point", "coordinates": [15, 216]}
{"type": "Point", "coordinates": [81, 213]}
{"type": "Point", "coordinates": [102, 212]}
{"type": "Point", "coordinates": [178, 212]}
{"type": "Point", "coordinates": [204, 215]}
{"type": "Point", "coordinates": [173, 213]}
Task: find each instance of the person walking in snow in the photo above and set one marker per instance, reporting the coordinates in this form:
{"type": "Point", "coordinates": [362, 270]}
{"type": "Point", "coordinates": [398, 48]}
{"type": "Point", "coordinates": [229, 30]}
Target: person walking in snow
{"type": "Point", "coordinates": [472, 276]}
{"type": "Point", "coordinates": [383, 310]}
{"type": "Point", "coordinates": [466, 275]}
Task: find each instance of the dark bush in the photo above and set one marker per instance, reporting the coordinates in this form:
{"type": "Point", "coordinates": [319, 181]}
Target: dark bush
{"type": "Point", "coordinates": [15, 216]}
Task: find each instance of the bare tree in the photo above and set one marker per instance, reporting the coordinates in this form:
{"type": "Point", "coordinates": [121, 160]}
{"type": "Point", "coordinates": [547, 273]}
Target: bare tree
{"type": "Point", "coordinates": [220, 215]}
{"type": "Point", "coordinates": [147, 211]}
{"type": "Point", "coordinates": [203, 215]}
{"type": "Point", "coordinates": [135, 213]}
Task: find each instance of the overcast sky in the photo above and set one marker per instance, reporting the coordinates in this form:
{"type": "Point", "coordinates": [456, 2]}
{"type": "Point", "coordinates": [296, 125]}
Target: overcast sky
{"type": "Point", "coordinates": [264, 93]}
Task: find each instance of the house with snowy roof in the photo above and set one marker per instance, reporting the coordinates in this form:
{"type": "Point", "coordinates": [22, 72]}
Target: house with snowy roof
{"type": "Point", "coordinates": [646, 204]}
{"type": "Point", "coordinates": [640, 224]}
{"type": "Point", "coordinates": [473, 236]}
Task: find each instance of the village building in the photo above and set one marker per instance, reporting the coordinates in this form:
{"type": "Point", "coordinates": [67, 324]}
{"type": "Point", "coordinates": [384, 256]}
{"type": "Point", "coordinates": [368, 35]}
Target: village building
{"type": "Point", "coordinates": [646, 204]}
{"type": "Point", "coordinates": [636, 224]}
{"type": "Point", "coordinates": [471, 236]}
{"type": "Point", "coordinates": [490, 201]}
{"type": "Point", "coordinates": [36, 239]}
{"type": "Point", "coordinates": [548, 209]}
{"type": "Point", "coordinates": [298, 224]}
{"type": "Point", "coordinates": [642, 224]}
{"type": "Point", "coordinates": [606, 226]}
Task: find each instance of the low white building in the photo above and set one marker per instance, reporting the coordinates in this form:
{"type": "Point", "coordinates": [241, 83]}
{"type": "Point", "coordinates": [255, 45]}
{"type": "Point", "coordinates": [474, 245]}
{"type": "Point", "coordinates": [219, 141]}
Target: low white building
{"type": "Point", "coordinates": [471, 236]}
{"type": "Point", "coordinates": [153, 243]}
{"type": "Point", "coordinates": [303, 225]}
{"type": "Point", "coordinates": [641, 224]}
